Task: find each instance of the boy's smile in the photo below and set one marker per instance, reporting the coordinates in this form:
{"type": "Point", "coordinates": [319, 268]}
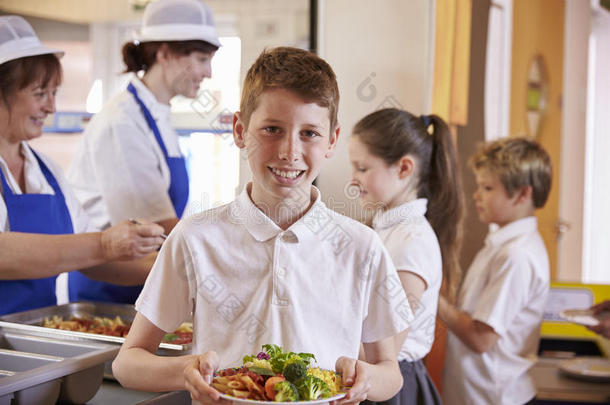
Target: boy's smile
{"type": "Point", "coordinates": [287, 140]}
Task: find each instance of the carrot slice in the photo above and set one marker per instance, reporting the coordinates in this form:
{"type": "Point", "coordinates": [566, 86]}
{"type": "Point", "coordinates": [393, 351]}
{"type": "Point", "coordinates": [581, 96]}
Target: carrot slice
{"type": "Point", "coordinates": [271, 381]}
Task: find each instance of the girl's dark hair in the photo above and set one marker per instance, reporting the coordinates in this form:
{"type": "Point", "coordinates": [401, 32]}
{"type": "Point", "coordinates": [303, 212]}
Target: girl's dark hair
{"type": "Point", "coordinates": [20, 73]}
{"type": "Point", "coordinates": [391, 134]}
{"type": "Point", "coordinates": [142, 56]}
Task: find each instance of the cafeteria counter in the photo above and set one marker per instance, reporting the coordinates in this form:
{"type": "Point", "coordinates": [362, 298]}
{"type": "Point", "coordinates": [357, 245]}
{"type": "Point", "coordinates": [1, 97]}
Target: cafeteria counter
{"type": "Point", "coordinates": [554, 387]}
{"type": "Point", "coordinates": [111, 392]}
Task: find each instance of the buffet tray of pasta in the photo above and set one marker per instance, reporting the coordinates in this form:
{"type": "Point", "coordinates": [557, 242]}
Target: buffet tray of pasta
{"type": "Point", "coordinates": [87, 321]}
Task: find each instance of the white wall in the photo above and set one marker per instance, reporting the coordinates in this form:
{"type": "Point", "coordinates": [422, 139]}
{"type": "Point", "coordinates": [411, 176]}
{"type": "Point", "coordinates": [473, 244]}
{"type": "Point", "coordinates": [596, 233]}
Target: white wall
{"type": "Point", "coordinates": [572, 171]}
{"type": "Point", "coordinates": [382, 55]}
{"type": "Point", "coordinates": [597, 180]}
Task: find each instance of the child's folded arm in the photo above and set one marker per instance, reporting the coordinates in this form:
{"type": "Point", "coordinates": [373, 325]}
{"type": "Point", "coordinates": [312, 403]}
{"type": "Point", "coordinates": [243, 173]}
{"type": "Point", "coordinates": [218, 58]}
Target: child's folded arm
{"type": "Point", "coordinates": [477, 335]}
{"type": "Point", "coordinates": [138, 367]}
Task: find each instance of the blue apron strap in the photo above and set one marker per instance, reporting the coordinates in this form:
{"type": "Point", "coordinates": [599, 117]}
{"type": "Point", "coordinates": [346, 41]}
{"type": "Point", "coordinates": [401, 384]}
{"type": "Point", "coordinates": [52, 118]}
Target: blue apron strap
{"type": "Point", "coordinates": [149, 119]}
{"type": "Point", "coordinates": [179, 184]}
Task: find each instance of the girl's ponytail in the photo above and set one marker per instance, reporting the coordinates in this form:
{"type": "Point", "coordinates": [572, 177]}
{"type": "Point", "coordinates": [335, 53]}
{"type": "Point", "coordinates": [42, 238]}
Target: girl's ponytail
{"type": "Point", "coordinates": [390, 134]}
{"type": "Point", "coordinates": [445, 200]}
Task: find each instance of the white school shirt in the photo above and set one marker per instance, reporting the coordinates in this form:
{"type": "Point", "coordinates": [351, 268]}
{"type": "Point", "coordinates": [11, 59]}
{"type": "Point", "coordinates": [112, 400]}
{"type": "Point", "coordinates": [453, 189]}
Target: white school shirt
{"type": "Point", "coordinates": [506, 287]}
{"type": "Point", "coordinates": [322, 286]}
{"type": "Point", "coordinates": [413, 246]}
{"type": "Point", "coordinates": [119, 171]}
{"type": "Point", "coordinates": [36, 183]}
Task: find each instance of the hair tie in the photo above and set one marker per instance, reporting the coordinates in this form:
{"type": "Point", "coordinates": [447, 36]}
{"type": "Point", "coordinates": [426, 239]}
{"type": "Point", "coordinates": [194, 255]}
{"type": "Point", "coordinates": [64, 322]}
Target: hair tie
{"type": "Point", "coordinates": [136, 42]}
{"type": "Point", "coordinates": [427, 120]}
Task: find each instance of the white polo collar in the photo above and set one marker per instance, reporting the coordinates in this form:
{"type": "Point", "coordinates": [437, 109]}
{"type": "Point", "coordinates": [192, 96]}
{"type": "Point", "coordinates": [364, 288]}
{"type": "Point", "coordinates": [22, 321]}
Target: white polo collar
{"type": "Point", "coordinates": [262, 228]}
{"type": "Point", "coordinates": [405, 212]}
{"type": "Point", "coordinates": [512, 230]}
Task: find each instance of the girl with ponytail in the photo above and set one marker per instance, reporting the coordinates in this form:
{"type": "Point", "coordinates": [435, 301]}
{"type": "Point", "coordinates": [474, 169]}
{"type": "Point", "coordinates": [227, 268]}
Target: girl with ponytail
{"type": "Point", "coordinates": [406, 167]}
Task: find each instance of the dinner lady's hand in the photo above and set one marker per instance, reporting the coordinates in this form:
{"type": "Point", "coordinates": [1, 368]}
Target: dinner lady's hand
{"type": "Point", "coordinates": [128, 240]}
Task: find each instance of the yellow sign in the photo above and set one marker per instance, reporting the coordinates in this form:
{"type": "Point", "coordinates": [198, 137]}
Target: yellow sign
{"type": "Point", "coordinates": [573, 296]}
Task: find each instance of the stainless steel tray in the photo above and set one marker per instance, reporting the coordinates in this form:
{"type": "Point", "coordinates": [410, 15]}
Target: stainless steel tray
{"type": "Point", "coordinates": [30, 322]}
{"type": "Point", "coordinates": [39, 370]}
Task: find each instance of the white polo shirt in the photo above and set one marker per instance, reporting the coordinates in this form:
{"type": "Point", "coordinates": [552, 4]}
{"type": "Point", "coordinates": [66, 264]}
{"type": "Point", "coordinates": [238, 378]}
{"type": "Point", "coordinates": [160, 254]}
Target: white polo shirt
{"type": "Point", "coordinates": [36, 183]}
{"type": "Point", "coordinates": [506, 287]}
{"type": "Point", "coordinates": [119, 170]}
{"type": "Point", "coordinates": [322, 286]}
{"type": "Point", "coordinates": [413, 246]}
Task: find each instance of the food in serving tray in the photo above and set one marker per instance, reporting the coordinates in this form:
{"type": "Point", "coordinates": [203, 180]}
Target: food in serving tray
{"type": "Point", "coordinates": [102, 325]}
{"type": "Point", "coordinates": [276, 375]}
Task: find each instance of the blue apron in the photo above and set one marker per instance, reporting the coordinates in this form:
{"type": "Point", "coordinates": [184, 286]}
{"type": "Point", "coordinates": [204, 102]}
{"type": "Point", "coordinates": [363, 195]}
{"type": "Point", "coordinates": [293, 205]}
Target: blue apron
{"type": "Point", "coordinates": [81, 287]}
{"type": "Point", "coordinates": [33, 213]}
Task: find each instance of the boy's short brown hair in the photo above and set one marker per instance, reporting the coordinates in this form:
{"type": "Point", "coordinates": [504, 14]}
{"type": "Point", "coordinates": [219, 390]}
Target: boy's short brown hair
{"type": "Point", "coordinates": [518, 162]}
{"type": "Point", "coordinates": [292, 69]}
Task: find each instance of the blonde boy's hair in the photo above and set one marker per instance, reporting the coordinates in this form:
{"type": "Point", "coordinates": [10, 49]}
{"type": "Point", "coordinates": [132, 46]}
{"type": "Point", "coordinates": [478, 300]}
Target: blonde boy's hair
{"type": "Point", "coordinates": [518, 162]}
{"type": "Point", "coordinates": [292, 69]}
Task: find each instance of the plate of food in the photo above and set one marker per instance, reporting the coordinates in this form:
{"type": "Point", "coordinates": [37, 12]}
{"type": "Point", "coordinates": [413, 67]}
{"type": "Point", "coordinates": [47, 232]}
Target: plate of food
{"type": "Point", "coordinates": [274, 376]}
{"type": "Point", "coordinates": [585, 317]}
{"type": "Point", "coordinates": [589, 368]}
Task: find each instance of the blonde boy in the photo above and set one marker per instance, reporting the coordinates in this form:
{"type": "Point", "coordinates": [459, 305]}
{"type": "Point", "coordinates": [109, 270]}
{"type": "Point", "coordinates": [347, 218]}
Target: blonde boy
{"type": "Point", "coordinates": [495, 325]}
{"type": "Point", "coordinates": [275, 265]}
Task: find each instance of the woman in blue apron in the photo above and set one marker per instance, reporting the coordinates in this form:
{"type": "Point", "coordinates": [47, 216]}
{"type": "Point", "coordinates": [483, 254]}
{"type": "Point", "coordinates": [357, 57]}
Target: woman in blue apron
{"type": "Point", "coordinates": [129, 163]}
{"type": "Point", "coordinates": [43, 229]}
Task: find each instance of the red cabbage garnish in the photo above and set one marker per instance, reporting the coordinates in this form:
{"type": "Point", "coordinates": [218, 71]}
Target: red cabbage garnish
{"type": "Point", "coordinates": [262, 356]}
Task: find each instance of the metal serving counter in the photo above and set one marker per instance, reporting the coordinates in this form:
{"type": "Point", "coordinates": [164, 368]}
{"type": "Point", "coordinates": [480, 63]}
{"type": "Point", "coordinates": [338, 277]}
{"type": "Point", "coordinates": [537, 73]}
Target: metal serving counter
{"type": "Point", "coordinates": [41, 365]}
{"type": "Point", "coordinates": [38, 370]}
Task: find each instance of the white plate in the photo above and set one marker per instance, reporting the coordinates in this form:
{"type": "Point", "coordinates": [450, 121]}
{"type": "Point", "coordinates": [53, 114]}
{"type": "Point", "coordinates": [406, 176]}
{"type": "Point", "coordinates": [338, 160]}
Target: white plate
{"type": "Point", "coordinates": [580, 316]}
{"type": "Point", "coordinates": [252, 401]}
{"type": "Point", "coordinates": [590, 368]}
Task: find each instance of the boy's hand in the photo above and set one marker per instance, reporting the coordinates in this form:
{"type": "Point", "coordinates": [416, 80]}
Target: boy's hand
{"type": "Point", "coordinates": [354, 374]}
{"type": "Point", "coordinates": [198, 379]}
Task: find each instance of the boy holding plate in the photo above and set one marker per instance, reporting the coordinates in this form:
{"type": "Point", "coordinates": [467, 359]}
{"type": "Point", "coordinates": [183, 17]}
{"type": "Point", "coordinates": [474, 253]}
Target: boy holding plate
{"type": "Point", "coordinates": [275, 265]}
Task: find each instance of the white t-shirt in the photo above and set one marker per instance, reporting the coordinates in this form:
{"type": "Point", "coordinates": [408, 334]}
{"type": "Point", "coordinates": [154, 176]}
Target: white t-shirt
{"type": "Point", "coordinates": [36, 183]}
{"type": "Point", "coordinates": [322, 286]}
{"type": "Point", "coordinates": [506, 287]}
{"type": "Point", "coordinates": [413, 246]}
{"type": "Point", "coordinates": [119, 171]}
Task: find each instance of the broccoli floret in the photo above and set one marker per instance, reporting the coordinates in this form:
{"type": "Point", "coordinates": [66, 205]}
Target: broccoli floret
{"type": "Point", "coordinates": [277, 362]}
{"type": "Point", "coordinates": [294, 371]}
{"type": "Point", "coordinates": [311, 388]}
{"type": "Point", "coordinates": [286, 392]}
